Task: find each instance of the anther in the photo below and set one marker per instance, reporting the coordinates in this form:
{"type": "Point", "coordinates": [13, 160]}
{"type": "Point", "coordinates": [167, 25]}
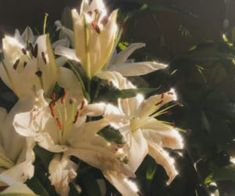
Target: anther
{"type": "Point", "coordinates": [39, 73]}
{"type": "Point", "coordinates": [24, 51]}
{"type": "Point", "coordinates": [16, 64]}
{"type": "Point", "coordinates": [96, 27]}
{"type": "Point", "coordinates": [35, 51]}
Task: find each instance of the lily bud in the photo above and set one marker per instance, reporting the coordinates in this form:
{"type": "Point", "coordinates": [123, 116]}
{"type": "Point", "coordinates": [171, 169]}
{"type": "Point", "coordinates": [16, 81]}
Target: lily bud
{"type": "Point", "coordinates": [95, 34]}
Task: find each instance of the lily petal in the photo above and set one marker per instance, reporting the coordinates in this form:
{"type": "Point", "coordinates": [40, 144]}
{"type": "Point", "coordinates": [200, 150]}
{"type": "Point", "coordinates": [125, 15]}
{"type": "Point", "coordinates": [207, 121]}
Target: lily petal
{"type": "Point", "coordinates": [67, 52]}
{"type": "Point", "coordinates": [165, 136]}
{"type": "Point", "coordinates": [62, 172]}
{"type": "Point", "coordinates": [137, 69]}
{"type": "Point", "coordinates": [162, 157]}
{"type": "Point", "coordinates": [122, 56]}
{"type": "Point", "coordinates": [137, 148]}
{"type": "Point", "coordinates": [70, 83]}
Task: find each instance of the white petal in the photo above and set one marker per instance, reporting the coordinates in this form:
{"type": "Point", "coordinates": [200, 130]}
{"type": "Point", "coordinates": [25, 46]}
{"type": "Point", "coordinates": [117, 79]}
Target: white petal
{"type": "Point", "coordinates": [62, 42]}
{"type": "Point", "coordinates": [164, 135]}
{"type": "Point", "coordinates": [28, 35]}
{"type": "Point", "coordinates": [38, 125]}
{"type": "Point", "coordinates": [62, 172]}
{"type": "Point", "coordinates": [70, 83]}
{"type": "Point", "coordinates": [125, 186]}
{"type": "Point", "coordinates": [46, 63]}
{"type": "Point", "coordinates": [116, 79]}
{"type": "Point", "coordinates": [137, 148]}
{"type": "Point", "coordinates": [162, 157]}
{"type": "Point", "coordinates": [18, 173]}
{"type": "Point", "coordinates": [66, 52]}
{"type": "Point", "coordinates": [128, 106]}
{"type": "Point", "coordinates": [153, 103]}
{"type": "Point", "coordinates": [122, 56]}
{"type": "Point", "coordinates": [65, 33]}
{"type": "Point", "coordinates": [137, 69]}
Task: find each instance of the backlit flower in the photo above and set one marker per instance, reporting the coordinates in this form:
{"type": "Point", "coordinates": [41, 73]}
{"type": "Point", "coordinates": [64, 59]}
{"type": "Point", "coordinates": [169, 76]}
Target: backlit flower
{"type": "Point", "coordinates": [136, 119]}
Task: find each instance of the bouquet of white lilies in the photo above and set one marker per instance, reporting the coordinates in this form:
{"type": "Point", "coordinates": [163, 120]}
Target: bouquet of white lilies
{"type": "Point", "coordinates": [76, 103]}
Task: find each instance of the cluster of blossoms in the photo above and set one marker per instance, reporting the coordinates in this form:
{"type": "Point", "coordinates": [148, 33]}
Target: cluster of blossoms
{"type": "Point", "coordinates": [69, 125]}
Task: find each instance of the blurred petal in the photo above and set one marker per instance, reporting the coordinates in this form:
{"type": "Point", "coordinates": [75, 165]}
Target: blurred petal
{"type": "Point", "coordinates": [65, 33]}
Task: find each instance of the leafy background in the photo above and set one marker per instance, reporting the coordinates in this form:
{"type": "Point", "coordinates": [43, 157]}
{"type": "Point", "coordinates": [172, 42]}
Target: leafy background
{"type": "Point", "coordinates": [187, 35]}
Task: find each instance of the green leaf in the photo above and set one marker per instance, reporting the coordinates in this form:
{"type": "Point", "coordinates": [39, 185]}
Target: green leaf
{"type": "Point", "coordinates": [112, 93]}
{"type": "Point", "coordinates": [44, 156]}
{"type": "Point", "coordinates": [112, 135]}
{"type": "Point", "coordinates": [89, 184]}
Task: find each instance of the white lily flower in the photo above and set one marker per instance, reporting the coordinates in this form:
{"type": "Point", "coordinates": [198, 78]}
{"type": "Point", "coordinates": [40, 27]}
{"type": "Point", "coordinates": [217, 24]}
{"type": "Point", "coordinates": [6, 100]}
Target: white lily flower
{"type": "Point", "coordinates": [26, 68]}
{"type": "Point", "coordinates": [95, 34]}
{"type": "Point", "coordinates": [143, 132]}
{"type": "Point", "coordinates": [16, 161]}
{"type": "Point", "coordinates": [60, 126]}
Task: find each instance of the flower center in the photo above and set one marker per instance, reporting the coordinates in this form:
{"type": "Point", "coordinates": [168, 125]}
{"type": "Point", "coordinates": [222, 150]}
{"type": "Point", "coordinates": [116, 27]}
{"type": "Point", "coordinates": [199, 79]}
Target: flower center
{"type": "Point", "coordinates": [65, 112]}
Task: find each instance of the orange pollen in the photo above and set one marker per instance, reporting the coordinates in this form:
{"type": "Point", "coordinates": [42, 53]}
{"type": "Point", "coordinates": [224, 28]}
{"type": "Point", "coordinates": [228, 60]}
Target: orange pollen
{"type": "Point", "coordinates": [52, 108]}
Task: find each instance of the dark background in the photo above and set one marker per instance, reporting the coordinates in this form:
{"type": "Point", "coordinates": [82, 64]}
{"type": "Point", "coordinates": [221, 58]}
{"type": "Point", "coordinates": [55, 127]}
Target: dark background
{"type": "Point", "coordinates": [204, 22]}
